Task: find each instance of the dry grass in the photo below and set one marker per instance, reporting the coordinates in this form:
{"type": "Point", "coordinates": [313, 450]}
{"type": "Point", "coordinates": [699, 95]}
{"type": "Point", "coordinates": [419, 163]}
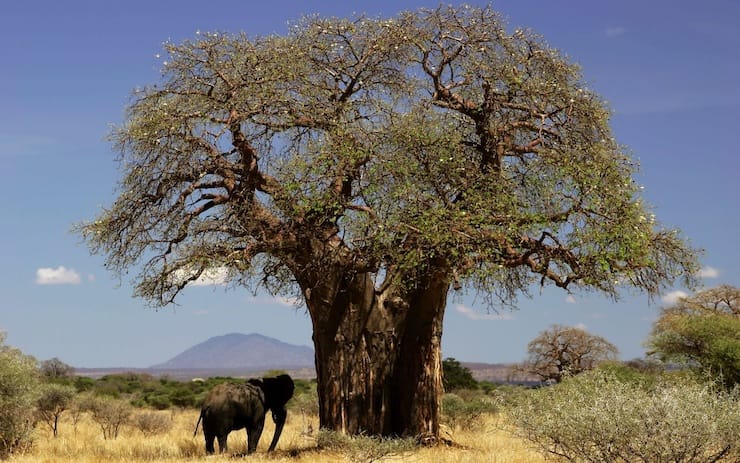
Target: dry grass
{"type": "Point", "coordinates": [488, 443]}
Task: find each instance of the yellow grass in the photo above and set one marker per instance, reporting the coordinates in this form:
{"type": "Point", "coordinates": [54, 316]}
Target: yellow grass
{"type": "Point", "coordinates": [488, 443]}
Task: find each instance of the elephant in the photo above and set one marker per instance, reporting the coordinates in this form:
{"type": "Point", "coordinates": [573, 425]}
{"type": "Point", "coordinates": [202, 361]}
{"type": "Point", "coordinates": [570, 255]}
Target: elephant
{"type": "Point", "coordinates": [231, 406]}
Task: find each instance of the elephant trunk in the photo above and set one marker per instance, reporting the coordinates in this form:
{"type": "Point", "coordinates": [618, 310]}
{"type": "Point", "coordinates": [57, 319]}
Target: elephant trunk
{"type": "Point", "coordinates": [278, 416]}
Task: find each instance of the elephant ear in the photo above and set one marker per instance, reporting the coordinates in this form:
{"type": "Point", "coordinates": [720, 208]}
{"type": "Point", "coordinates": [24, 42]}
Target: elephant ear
{"type": "Point", "coordinates": [256, 382]}
{"type": "Point", "coordinates": [278, 391]}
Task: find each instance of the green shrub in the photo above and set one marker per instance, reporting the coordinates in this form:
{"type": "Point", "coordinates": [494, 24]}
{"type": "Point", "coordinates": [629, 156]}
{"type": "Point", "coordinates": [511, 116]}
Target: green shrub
{"type": "Point", "coordinates": [598, 418]}
{"type": "Point", "coordinates": [456, 376]}
{"type": "Point", "coordinates": [19, 387]}
{"type": "Point", "coordinates": [465, 409]}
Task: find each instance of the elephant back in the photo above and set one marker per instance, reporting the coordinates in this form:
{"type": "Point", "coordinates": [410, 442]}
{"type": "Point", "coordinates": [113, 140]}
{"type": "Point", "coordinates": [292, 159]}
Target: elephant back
{"type": "Point", "coordinates": [234, 403]}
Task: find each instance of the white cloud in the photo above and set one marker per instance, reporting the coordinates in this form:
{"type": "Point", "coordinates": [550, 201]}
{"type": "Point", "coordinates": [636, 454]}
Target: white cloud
{"type": "Point", "coordinates": [216, 276]}
{"type": "Point", "coordinates": [581, 326]}
{"type": "Point", "coordinates": [278, 300]}
{"type": "Point", "coordinates": [57, 276]}
{"type": "Point", "coordinates": [570, 299]}
{"type": "Point", "coordinates": [708, 272]}
{"type": "Point", "coordinates": [613, 32]}
{"type": "Point", "coordinates": [289, 301]}
{"type": "Point", "coordinates": [673, 297]}
{"type": "Point", "coordinates": [475, 315]}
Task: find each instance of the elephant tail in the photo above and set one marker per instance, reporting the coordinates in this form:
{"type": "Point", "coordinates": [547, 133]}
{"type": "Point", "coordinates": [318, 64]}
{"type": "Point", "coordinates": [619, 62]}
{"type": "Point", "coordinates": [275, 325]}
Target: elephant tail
{"type": "Point", "coordinates": [202, 412]}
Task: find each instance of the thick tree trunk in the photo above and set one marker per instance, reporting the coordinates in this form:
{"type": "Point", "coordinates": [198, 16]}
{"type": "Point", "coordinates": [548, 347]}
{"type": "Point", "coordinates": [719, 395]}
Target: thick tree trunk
{"type": "Point", "coordinates": [378, 357]}
{"type": "Point", "coordinates": [418, 376]}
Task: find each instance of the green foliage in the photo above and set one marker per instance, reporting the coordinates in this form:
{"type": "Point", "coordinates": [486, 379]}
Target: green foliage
{"type": "Point", "coordinates": [456, 376]}
{"type": "Point", "coordinates": [595, 417]}
{"type": "Point", "coordinates": [143, 390]}
{"type": "Point", "coordinates": [83, 383]}
{"type": "Point", "coordinates": [305, 399]}
{"type": "Point", "coordinates": [703, 332]}
{"type": "Point", "coordinates": [465, 411]}
{"type": "Point", "coordinates": [630, 373]}
{"type": "Point", "coordinates": [19, 388]}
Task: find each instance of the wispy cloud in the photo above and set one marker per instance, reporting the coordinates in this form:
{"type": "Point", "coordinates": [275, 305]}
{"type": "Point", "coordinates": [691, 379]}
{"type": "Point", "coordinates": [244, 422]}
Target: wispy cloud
{"type": "Point", "coordinates": [673, 297]}
{"type": "Point", "coordinates": [570, 299]}
{"type": "Point", "coordinates": [708, 272]}
{"type": "Point", "coordinates": [614, 31]}
{"type": "Point", "coordinates": [475, 315]}
{"type": "Point", "coordinates": [57, 276]}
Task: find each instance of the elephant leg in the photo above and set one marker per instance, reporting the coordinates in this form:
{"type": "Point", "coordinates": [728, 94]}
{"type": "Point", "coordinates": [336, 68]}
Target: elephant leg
{"type": "Point", "coordinates": [209, 442]}
{"type": "Point", "coordinates": [222, 446]}
{"type": "Point", "coordinates": [253, 435]}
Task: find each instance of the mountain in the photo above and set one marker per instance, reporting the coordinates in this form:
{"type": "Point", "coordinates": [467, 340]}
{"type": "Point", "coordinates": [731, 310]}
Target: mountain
{"type": "Point", "coordinates": [246, 352]}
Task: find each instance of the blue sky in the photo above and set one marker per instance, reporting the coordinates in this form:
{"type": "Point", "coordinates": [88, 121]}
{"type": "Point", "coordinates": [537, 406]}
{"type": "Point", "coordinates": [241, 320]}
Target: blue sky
{"type": "Point", "coordinates": [670, 70]}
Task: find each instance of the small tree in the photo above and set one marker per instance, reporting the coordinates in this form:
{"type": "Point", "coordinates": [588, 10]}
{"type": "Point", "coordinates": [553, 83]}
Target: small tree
{"type": "Point", "coordinates": [702, 331]}
{"type": "Point", "coordinates": [110, 414]}
{"type": "Point", "coordinates": [562, 351]}
{"type": "Point", "coordinates": [56, 369]}
{"type": "Point", "coordinates": [456, 376]}
{"type": "Point", "coordinates": [55, 399]}
{"type": "Point", "coordinates": [18, 391]}
{"type": "Point", "coordinates": [151, 423]}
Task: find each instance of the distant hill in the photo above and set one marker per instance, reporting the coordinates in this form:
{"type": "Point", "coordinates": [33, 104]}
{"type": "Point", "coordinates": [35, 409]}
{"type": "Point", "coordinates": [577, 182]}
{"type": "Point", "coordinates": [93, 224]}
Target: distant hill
{"type": "Point", "coordinates": [248, 352]}
{"type": "Point", "coordinates": [252, 355]}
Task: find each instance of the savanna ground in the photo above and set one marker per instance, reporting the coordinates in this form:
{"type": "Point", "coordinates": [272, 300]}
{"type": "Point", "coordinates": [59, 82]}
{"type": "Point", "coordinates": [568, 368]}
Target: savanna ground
{"type": "Point", "coordinates": [484, 441]}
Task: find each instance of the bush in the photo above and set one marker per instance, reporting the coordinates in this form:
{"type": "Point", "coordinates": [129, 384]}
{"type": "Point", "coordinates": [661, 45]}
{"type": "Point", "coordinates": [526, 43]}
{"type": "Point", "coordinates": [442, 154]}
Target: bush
{"type": "Point", "coordinates": [466, 413]}
{"type": "Point", "coordinates": [55, 399]}
{"type": "Point", "coordinates": [597, 418]}
{"type": "Point", "coordinates": [19, 385]}
{"type": "Point", "coordinates": [456, 376]}
{"type": "Point", "coordinates": [152, 423]}
{"type": "Point", "coordinates": [110, 414]}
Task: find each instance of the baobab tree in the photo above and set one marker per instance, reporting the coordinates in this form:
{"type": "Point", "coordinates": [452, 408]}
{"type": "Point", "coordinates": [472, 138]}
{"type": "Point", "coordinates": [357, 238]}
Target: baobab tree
{"type": "Point", "coordinates": [562, 351]}
{"type": "Point", "coordinates": [371, 166]}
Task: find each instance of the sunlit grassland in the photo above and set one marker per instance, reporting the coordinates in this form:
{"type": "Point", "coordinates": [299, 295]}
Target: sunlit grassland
{"type": "Point", "coordinates": [487, 441]}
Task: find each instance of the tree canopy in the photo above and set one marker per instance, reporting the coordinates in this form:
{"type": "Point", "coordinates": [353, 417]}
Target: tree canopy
{"type": "Point", "coordinates": [562, 351]}
{"type": "Point", "coordinates": [457, 376]}
{"type": "Point", "coordinates": [434, 134]}
{"type": "Point", "coordinates": [702, 331]}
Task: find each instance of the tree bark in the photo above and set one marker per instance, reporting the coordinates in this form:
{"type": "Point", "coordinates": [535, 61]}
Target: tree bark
{"type": "Point", "coordinates": [378, 354]}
